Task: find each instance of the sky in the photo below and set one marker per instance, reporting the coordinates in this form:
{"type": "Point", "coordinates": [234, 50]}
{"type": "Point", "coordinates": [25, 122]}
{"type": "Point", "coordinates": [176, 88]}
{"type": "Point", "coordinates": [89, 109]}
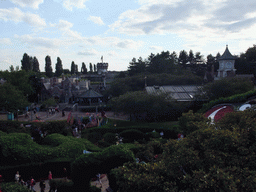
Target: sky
{"type": "Point", "coordinates": [119, 30]}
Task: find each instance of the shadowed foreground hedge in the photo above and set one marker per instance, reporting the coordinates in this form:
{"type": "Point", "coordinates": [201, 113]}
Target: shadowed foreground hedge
{"type": "Point", "coordinates": [88, 165]}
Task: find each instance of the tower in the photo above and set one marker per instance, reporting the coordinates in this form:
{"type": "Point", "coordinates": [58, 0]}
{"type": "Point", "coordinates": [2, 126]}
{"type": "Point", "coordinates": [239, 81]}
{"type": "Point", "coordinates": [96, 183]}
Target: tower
{"type": "Point", "coordinates": [226, 65]}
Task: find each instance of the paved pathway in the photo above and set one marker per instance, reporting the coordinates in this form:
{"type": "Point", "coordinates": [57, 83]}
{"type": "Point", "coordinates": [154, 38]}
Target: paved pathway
{"type": "Point", "coordinates": [104, 181]}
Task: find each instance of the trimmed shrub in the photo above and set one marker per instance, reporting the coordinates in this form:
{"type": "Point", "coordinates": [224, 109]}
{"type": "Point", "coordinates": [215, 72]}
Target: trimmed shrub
{"type": "Point", "coordinates": [131, 135]}
{"type": "Point", "coordinates": [62, 185]}
{"type": "Point", "coordinates": [110, 138]}
{"type": "Point", "coordinates": [101, 162]}
{"type": "Point", "coordinates": [19, 148]}
{"type": "Point", "coordinates": [94, 137]}
{"type": "Point", "coordinates": [11, 187]}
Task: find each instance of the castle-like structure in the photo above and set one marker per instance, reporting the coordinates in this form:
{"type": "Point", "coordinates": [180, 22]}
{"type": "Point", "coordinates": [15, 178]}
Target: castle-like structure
{"type": "Point", "coordinates": [226, 65]}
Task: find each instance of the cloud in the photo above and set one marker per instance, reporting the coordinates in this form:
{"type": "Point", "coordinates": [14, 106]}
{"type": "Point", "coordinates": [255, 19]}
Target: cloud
{"type": "Point", "coordinates": [28, 3]}
{"type": "Point", "coordinates": [113, 42]}
{"type": "Point", "coordinates": [112, 54]}
{"type": "Point", "coordinates": [69, 4]}
{"type": "Point", "coordinates": [65, 27]}
{"type": "Point", "coordinates": [179, 17]}
{"type": "Point", "coordinates": [5, 41]}
{"type": "Point", "coordinates": [96, 20]}
{"type": "Point", "coordinates": [39, 41]}
{"type": "Point", "coordinates": [16, 15]}
{"type": "Point", "coordinates": [88, 52]}
{"type": "Point", "coordinates": [156, 48]}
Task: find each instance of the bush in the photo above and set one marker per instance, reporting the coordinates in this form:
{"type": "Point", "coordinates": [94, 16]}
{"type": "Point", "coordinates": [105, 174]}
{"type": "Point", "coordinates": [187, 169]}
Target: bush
{"type": "Point", "coordinates": [62, 185]}
{"type": "Point", "coordinates": [12, 187]}
{"type": "Point", "coordinates": [131, 135]}
{"type": "Point", "coordinates": [101, 162]}
{"type": "Point", "coordinates": [94, 137]}
{"type": "Point", "coordinates": [110, 138]}
{"type": "Point", "coordinates": [19, 148]}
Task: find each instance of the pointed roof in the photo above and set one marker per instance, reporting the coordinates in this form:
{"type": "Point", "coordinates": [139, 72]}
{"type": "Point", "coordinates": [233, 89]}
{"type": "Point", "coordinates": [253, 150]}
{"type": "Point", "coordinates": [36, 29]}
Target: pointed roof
{"type": "Point", "coordinates": [227, 55]}
{"type": "Point", "coordinates": [90, 94]}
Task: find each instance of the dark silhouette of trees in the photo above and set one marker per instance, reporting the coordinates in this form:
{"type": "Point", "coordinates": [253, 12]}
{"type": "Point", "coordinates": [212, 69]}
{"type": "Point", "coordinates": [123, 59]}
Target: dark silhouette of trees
{"type": "Point", "coordinates": [91, 70]}
{"type": "Point", "coordinates": [73, 67]}
{"type": "Point", "coordinates": [83, 69]}
{"type": "Point", "coordinates": [58, 67]}
{"type": "Point", "coordinates": [36, 65]}
{"type": "Point", "coordinates": [25, 62]}
{"type": "Point", "coordinates": [48, 66]}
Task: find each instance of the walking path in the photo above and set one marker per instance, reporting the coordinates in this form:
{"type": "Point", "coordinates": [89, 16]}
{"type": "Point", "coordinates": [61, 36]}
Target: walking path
{"type": "Point", "coordinates": [104, 181]}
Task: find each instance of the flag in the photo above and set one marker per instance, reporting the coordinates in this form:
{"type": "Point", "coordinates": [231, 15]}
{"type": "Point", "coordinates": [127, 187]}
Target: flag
{"type": "Point", "coordinates": [69, 115]}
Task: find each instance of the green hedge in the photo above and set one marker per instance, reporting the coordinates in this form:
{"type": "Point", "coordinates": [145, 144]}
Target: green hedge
{"type": "Point", "coordinates": [19, 148]}
{"type": "Point", "coordinates": [239, 98]}
{"type": "Point", "coordinates": [131, 135]}
{"type": "Point", "coordinates": [88, 165]}
{"type": "Point", "coordinates": [13, 187]}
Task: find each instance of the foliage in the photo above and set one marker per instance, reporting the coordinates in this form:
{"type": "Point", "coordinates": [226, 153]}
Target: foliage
{"type": "Point", "coordinates": [131, 135]}
{"type": "Point", "coordinates": [226, 87]}
{"type": "Point", "coordinates": [110, 138]}
{"type": "Point", "coordinates": [137, 82]}
{"type": "Point", "coordinates": [48, 66]}
{"type": "Point", "coordinates": [190, 122]}
{"type": "Point", "coordinates": [25, 63]}
{"type": "Point", "coordinates": [18, 148]}
{"type": "Point", "coordinates": [49, 102]}
{"type": "Point", "coordinates": [83, 69]}
{"type": "Point", "coordinates": [148, 107]}
{"type": "Point", "coordinates": [36, 67]}
{"type": "Point", "coordinates": [19, 79]}
{"type": "Point", "coordinates": [238, 98]}
{"type": "Point", "coordinates": [11, 99]}
{"type": "Point", "coordinates": [62, 185]}
{"type": "Point", "coordinates": [11, 187]}
{"type": "Point", "coordinates": [58, 67]}
{"type": "Point", "coordinates": [95, 163]}
{"type": "Point", "coordinates": [217, 157]}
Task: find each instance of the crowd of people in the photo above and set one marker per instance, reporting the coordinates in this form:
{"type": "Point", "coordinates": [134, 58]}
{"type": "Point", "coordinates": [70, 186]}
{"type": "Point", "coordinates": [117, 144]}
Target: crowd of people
{"type": "Point", "coordinates": [30, 183]}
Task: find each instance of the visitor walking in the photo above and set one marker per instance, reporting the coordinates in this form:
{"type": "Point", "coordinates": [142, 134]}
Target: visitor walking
{"type": "Point", "coordinates": [32, 184]}
{"type": "Point", "coordinates": [17, 177]}
{"type": "Point", "coordinates": [50, 176]}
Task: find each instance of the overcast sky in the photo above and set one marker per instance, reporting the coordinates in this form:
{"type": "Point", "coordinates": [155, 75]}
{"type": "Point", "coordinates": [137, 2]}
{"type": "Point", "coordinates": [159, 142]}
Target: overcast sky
{"type": "Point", "coordinates": [118, 30]}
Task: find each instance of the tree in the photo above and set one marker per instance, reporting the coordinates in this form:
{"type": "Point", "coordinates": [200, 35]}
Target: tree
{"type": "Point", "coordinates": [36, 65]}
{"type": "Point", "coordinates": [160, 63]}
{"type": "Point", "coordinates": [226, 88]}
{"type": "Point", "coordinates": [31, 61]}
{"type": "Point", "coordinates": [19, 79]}
{"type": "Point", "coordinates": [11, 99]}
{"type": "Point", "coordinates": [11, 68]}
{"type": "Point", "coordinates": [48, 66]}
{"type": "Point", "coordinates": [151, 107]}
{"type": "Point", "coordinates": [83, 69]}
{"type": "Point", "coordinates": [91, 70]}
{"type": "Point", "coordinates": [58, 67]}
{"type": "Point", "coordinates": [191, 57]}
{"type": "Point", "coordinates": [136, 67]}
{"type": "Point", "coordinates": [94, 68]}
{"type": "Point", "coordinates": [251, 54]}
{"type": "Point", "coordinates": [213, 158]}
{"type": "Point", "coordinates": [76, 69]}
{"type": "Point", "coordinates": [73, 67]}
{"type": "Point", "coordinates": [183, 58]}
{"type": "Point", "coordinates": [25, 62]}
